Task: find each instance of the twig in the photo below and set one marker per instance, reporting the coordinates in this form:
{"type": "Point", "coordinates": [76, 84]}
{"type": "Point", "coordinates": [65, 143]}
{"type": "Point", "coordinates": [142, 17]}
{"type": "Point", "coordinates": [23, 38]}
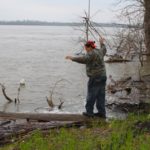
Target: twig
{"type": "Point", "coordinates": [18, 94]}
{"type": "Point", "coordinates": [50, 102]}
{"type": "Point", "coordinates": [60, 105]}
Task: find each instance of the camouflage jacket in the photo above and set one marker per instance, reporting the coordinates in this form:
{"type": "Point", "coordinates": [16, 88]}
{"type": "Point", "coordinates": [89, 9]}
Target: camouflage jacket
{"type": "Point", "coordinates": [94, 61]}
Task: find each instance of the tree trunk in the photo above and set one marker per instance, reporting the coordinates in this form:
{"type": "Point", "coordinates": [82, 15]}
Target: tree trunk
{"type": "Point", "coordinates": [147, 25]}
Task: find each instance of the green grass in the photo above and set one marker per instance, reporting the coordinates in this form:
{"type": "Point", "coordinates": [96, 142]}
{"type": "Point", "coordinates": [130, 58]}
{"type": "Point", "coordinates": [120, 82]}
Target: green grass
{"type": "Point", "coordinates": [99, 135]}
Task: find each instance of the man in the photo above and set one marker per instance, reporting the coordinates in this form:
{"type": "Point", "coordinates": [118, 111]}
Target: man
{"type": "Point", "coordinates": [95, 69]}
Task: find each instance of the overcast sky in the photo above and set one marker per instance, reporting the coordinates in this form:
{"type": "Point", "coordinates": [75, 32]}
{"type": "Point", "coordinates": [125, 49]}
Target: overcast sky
{"type": "Point", "coordinates": [56, 10]}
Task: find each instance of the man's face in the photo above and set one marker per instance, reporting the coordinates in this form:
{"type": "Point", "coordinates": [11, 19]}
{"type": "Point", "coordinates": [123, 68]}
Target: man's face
{"type": "Point", "coordinates": [87, 48]}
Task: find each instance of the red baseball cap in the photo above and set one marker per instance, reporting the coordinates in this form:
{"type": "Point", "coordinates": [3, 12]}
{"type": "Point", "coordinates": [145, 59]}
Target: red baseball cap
{"type": "Point", "coordinates": [90, 44]}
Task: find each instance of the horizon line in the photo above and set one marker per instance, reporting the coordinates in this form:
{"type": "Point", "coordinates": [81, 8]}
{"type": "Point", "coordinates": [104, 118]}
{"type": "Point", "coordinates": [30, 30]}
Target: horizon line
{"type": "Point", "coordinates": [27, 20]}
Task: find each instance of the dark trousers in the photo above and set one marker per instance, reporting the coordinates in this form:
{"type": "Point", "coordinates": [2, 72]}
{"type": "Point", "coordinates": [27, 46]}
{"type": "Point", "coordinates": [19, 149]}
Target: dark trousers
{"type": "Point", "coordinates": [96, 94]}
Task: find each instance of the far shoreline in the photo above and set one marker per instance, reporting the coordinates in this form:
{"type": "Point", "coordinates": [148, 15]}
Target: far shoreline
{"type": "Point", "coordinates": [41, 23]}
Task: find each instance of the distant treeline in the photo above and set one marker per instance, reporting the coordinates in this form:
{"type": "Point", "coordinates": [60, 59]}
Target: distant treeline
{"type": "Point", "coordinates": [43, 23]}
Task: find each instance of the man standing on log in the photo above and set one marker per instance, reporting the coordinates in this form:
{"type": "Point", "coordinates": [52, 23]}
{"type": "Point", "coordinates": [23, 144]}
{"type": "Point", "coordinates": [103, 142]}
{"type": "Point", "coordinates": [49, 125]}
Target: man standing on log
{"type": "Point", "coordinates": [95, 69]}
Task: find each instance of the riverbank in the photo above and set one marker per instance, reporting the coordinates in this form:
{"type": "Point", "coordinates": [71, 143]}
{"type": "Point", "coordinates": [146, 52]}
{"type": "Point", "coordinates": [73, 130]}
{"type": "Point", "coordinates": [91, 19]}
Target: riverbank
{"type": "Point", "coordinates": [132, 133]}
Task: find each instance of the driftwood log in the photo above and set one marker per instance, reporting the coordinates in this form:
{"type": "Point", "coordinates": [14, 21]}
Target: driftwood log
{"type": "Point", "coordinates": [11, 132]}
{"type": "Point", "coordinates": [43, 116]}
{"type": "Point", "coordinates": [11, 129]}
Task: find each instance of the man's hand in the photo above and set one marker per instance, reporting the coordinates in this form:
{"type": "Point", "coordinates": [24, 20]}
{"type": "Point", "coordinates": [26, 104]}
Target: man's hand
{"type": "Point", "coordinates": [101, 40]}
{"type": "Point", "coordinates": [69, 57]}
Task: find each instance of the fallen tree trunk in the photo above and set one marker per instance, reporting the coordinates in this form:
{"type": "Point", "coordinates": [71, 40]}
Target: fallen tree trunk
{"type": "Point", "coordinates": [43, 116]}
{"type": "Point", "coordinates": [14, 132]}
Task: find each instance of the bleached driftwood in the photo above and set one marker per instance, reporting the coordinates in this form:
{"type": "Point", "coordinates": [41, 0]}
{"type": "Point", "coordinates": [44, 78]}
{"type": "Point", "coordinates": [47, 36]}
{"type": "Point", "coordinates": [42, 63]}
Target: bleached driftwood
{"type": "Point", "coordinates": [120, 85]}
{"type": "Point", "coordinates": [43, 116]}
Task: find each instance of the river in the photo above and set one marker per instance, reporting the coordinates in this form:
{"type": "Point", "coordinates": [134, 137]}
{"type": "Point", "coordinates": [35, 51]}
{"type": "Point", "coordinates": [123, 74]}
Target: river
{"type": "Point", "coordinates": [37, 55]}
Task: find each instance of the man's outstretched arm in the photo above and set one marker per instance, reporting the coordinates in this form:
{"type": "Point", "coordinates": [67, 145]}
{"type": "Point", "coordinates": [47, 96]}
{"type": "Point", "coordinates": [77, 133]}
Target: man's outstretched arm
{"type": "Point", "coordinates": [82, 60]}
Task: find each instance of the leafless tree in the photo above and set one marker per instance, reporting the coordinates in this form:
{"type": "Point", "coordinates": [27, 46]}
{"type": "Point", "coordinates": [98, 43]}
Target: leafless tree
{"type": "Point", "coordinates": [129, 42]}
{"type": "Point", "coordinates": [147, 24]}
{"type": "Point", "coordinates": [138, 10]}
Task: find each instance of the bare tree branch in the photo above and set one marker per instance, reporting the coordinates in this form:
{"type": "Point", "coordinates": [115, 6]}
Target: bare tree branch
{"type": "Point", "coordinates": [4, 93]}
{"type": "Point", "coordinates": [18, 94]}
{"type": "Point", "coordinates": [50, 98]}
